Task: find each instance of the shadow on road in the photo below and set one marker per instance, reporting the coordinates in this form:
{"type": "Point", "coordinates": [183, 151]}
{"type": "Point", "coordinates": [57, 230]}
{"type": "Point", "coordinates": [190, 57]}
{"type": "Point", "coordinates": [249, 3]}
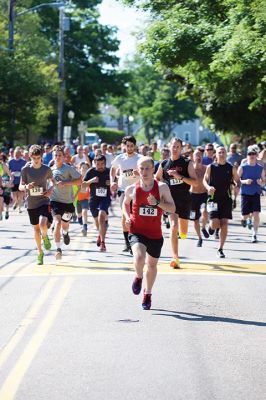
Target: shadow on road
{"type": "Point", "coordinates": [204, 318]}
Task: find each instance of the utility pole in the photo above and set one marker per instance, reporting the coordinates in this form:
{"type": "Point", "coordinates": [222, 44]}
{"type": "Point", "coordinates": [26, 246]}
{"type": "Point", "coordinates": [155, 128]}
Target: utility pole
{"type": "Point", "coordinates": [11, 14]}
{"type": "Point", "coordinates": [12, 118]}
{"type": "Point", "coordinates": [61, 73]}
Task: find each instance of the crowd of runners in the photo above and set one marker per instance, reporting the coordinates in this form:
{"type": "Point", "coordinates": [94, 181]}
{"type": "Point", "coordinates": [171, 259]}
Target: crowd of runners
{"type": "Point", "coordinates": [171, 186]}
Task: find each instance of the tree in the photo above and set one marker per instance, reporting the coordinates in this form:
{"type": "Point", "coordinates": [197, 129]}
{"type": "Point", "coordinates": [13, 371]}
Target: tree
{"type": "Point", "coordinates": [216, 49]}
{"type": "Point", "coordinates": [152, 99]}
{"type": "Point", "coordinates": [90, 66]}
{"type": "Point", "coordinates": [90, 60]}
{"type": "Point", "coordinates": [27, 85]}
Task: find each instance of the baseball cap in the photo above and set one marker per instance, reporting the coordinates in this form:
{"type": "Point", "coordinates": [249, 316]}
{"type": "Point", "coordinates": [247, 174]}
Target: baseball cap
{"type": "Point", "coordinates": [253, 149]}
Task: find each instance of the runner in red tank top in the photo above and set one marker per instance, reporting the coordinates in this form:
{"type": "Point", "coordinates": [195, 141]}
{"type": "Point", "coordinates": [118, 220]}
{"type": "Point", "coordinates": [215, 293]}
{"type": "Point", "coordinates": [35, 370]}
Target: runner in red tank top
{"type": "Point", "coordinates": [149, 199]}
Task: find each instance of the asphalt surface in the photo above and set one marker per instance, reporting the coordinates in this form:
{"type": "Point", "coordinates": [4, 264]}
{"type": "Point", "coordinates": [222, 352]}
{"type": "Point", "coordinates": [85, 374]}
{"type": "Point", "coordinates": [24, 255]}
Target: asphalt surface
{"type": "Point", "coordinates": [73, 329]}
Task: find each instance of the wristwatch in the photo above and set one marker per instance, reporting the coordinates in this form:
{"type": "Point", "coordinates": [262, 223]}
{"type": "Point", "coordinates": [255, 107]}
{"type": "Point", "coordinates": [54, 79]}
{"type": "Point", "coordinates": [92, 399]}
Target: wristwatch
{"type": "Point", "coordinates": [157, 202]}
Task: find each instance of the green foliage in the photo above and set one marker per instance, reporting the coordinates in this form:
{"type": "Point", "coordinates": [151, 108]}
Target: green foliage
{"type": "Point", "coordinates": [108, 135]}
{"type": "Point", "coordinates": [29, 75]}
{"type": "Point", "coordinates": [218, 48]}
{"type": "Point", "coordinates": [152, 100]}
{"type": "Point", "coordinates": [27, 86]}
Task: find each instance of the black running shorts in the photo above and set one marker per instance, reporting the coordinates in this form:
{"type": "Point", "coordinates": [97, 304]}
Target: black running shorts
{"type": "Point", "coordinates": [153, 246]}
{"type": "Point", "coordinates": [63, 209]}
{"type": "Point", "coordinates": [224, 209]}
{"type": "Point", "coordinates": [197, 200]}
{"type": "Point", "coordinates": [250, 203]}
{"type": "Point", "coordinates": [183, 206]}
{"type": "Point", "coordinates": [36, 213]}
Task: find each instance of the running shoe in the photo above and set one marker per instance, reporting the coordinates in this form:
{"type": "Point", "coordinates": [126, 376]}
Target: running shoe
{"type": "Point", "coordinates": [102, 246]}
{"type": "Point", "coordinates": [66, 238]}
{"type": "Point", "coordinates": [199, 243]}
{"type": "Point", "coordinates": [205, 233]}
{"type": "Point", "coordinates": [136, 285]}
{"type": "Point", "coordinates": [175, 263]}
{"type": "Point", "coordinates": [84, 230]}
{"type": "Point", "coordinates": [98, 241]}
{"type": "Point", "coordinates": [58, 254]}
{"type": "Point", "coordinates": [146, 302]}
{"type": "Point", "coordinates": [249, 223]}
{"type": "Point", "coordinates": [211, 231]}
{"type": "Point", "coordinates": [217, 234]}
{"type": "Point", "coordinates": [15, 206]}
{"type": "Point", "coordinates": [40, 259]}
{"type": "Point", "coordinates": [127, 249]}
{"type": "Point", "coordinates": [244, 223]}
{"type": "Point", "coordinates": [7, 215]}
{"type": "Point", "coordinates": [46, 243]}
{"type": "Point", "coordinates": [234, 203]}
{"type": "Point", "coordinates": [254, 239]}
{"type": "Point", "coordinates": [1, 216]}
{"type": "Point", "coordinates": [220, 253]}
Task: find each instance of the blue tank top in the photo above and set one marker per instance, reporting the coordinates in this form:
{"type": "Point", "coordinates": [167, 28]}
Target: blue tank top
{"type": "Point", "coordinates": [251, 172]}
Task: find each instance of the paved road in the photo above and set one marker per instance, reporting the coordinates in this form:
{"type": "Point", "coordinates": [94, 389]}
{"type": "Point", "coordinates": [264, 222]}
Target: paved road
{"type": "Point", "coordinates": [73, 330]}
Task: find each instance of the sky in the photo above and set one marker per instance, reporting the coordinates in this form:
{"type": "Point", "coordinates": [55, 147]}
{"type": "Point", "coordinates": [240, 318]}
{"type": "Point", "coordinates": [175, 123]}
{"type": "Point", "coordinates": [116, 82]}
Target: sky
{"type": "Point", "coordinates": [127, 19]}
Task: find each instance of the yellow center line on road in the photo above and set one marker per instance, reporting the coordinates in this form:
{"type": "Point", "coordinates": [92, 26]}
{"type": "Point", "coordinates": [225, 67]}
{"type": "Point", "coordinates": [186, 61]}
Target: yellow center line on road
{"type": "Point", "coordinates": [14, 379]}
{"type": "Point", "coordinates": [27, 321]}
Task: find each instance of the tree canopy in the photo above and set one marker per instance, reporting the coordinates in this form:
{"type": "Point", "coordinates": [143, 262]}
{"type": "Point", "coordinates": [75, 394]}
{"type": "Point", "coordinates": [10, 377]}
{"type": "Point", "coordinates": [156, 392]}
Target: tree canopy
{"type": "Point", "coordinates": [152, 99]}
{"type": "Point", "coordinates": [217, 50]}
{"type": "Point", "coordinates": [29, 75]}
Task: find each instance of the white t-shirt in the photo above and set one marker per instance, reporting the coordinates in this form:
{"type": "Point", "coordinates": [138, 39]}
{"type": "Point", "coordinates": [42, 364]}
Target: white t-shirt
{"type": "Point", "coordinates": [78, 160]}
{"type": "Point", "coordinates": [109, 158]}
{"type": "Point", "coordinates": [126, 166]}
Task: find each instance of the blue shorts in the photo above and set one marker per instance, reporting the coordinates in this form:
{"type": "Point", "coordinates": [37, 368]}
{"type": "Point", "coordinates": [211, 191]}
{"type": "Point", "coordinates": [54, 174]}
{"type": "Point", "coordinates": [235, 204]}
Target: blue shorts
{"type": "Point", "coordinates": [250, 203]}
{"type": "Point", "coordinates": [99, 204]}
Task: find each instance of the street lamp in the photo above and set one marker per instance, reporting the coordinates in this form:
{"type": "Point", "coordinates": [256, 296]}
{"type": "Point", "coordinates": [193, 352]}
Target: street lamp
{"type": "Point", "coordinates": [130, 120]}
{"type": "Point", "coordinates": [12, 15]}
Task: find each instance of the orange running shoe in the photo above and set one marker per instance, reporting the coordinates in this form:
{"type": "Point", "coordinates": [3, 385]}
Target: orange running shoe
{"type": "Point", "coordinates": [175, 263]}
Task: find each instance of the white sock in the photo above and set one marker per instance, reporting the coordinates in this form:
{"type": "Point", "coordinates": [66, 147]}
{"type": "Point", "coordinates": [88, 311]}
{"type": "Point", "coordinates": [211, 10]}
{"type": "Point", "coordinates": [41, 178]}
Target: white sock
{"type": "Point", "coordinates": [65, 232]}
{"type": "Point", "coordinates": [58, 245]}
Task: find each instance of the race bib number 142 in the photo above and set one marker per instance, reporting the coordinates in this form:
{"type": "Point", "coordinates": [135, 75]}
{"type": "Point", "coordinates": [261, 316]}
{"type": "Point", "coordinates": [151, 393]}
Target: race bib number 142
{"type": "Point", "coordinates": [148, 211]}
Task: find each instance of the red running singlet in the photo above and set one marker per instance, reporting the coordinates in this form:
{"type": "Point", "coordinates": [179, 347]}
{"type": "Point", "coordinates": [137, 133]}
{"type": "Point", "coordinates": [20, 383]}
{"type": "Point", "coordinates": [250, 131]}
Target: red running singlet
{"type": "Point", "coordinates": [146, 219]}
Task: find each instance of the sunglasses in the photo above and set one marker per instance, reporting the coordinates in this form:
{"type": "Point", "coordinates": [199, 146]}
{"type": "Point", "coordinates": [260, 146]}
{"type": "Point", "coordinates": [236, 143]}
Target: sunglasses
{"type": "Point", "coordinates": [209, 149]}
{"type": "Point", "coordinates": [252, 154]}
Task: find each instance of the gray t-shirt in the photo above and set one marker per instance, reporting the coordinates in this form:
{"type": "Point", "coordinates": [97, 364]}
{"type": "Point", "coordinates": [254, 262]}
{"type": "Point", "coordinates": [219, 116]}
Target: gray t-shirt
{"type": "Point", "coordinates": [234, 158]}
{"type": "Point", "coordinates": [64, 194]}
{"type": "Point", "coordinates": [40, 176]}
